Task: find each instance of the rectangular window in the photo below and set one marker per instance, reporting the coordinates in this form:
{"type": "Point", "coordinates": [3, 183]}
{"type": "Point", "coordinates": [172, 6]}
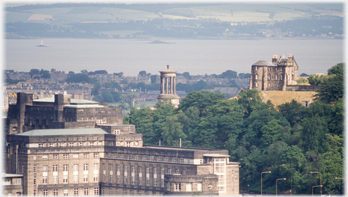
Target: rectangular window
{"type": "Point", "coordinates": [104, 172]}
{"type": "Point", "coordinates": [44, 157]}
{"type": "Point", "coordinates": [34, 170]}
{"type": "Point", "coordinates": [166, 159]}
{"type": "Point", "coordinates": [174, 159]}
{"type": "Point", "coordinates": [132, 175]}
{"type": "Point", "coordinates": [55, 168]}
{"type": "Point", "coordinates": [199, 187]}
{"type": "Point", "coordinates": [125, 175]}
{"type": "Point", "coordinates": [162, 177]}
{"type": "Point", "coordinates": [96, 155]}
{"type": "Point", "coordinates": [34, 180]}
{"type": "Point", "coordinates": [55, 192]}
{"type": "Point", "coordinates": [34, 193]}
{"type": "Point", "coordinates": [76, 191]}
{"type": "Point", "coordinates": [65, 156]}
{"type": "Point", "coordinates": [95, 172]}
{"type": "Point", "coordinates": [177, 187]}
{"type": "Point", "coordinates": [75, 156]}
{"type": "Point", "coordinates": [220, 169]}
{"type": "Point", "coordinates": [152, 158]}
{"type": "Point", "coordinates": [55, 156]}
{"type": "Point", "coordinates": [188, 187]}
{"type": "Point", "coordinates": [140, 175]}
{"type": "Point", "coordinates": [55, 179]}
{"type": "Point", "coordinates": [85, 167]}
{"type": "Point", "coordinates": [118, 174]}
{"type": "Point", "coordinates": [71, 143]}
{"type": "Point", "coordinates": [147, 176]}
{"type": "Point", "coordinates": [110, 173]}
{"type": "Point", "coordinates": [45, 192]}
{"type": "Point", "coordinates": [76, 173]}
{"type": "Point", "coordinates": [65, 173]}
{"type": "Point", "coordinates": [85, 191]}
{"type": "Point", "coordinates": [154, 171]}
{"type": "Point", "coordinates": [66, 192]}
{"type": "Point", "coordinates": [86, 155]}
{"type": "Point", "coordinates": [96, 191]}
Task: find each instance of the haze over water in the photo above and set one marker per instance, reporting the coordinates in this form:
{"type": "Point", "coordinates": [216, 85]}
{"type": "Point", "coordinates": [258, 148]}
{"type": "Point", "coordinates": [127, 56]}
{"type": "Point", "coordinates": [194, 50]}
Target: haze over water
{"type": "Point", "coordinates": [193, 56]}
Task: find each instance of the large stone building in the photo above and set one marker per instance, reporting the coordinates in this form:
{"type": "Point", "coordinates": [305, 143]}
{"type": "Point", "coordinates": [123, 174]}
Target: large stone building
{"type": "Point", "coordinates": [277, 75]}
{"type": "Point", "coordinates": [71, 147]}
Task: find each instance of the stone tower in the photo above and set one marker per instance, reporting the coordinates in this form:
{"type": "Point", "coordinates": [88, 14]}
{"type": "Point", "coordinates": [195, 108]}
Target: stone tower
{"type": "Point", "coordinates": [168, 89]}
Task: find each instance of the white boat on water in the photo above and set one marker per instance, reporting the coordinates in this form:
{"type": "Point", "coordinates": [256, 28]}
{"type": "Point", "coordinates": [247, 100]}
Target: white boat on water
{"type": "Point", "coordinates": [41, 44]}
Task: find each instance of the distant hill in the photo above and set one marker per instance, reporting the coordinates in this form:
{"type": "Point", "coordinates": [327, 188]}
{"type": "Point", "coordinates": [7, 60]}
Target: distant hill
{"type": "Point", "coordinates": [100, 20]}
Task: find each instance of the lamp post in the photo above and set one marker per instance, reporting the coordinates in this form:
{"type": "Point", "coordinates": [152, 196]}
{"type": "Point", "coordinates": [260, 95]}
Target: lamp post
{"type": "Point", "coordinates": [316, 186]}
{"type": "Point", "coordinates": [321, 193]}
{"type": "Point", "coordinates": [290, 177]}
{"type": "Point", "coordinates": [248, 173]}
{"type": "Point", "coordinates": [277, 184]}
{"type": "Point", "coordinates": [261, 178]}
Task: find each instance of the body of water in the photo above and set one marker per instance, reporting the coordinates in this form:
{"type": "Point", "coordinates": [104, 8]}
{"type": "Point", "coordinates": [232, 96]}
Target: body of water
{"type": "Point", "coordinates": [193, 56]}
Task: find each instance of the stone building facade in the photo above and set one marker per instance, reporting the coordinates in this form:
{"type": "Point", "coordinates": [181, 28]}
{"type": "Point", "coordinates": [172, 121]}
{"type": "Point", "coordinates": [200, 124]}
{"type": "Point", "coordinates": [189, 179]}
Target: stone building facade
{"type": "Point", "coordinates": [89, 162]}
{"type": "Point", "coordinates": [72, 147]}
{"type": "Point", "coordinates": [58, 112]}
{"type": "Point", "coordinates": [277, 75]}
{"type": "Point", "coordinates": [12, 185]}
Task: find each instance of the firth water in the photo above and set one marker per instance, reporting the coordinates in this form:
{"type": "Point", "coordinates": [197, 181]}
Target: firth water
{"type": "Point", "coordinates": [193, 56]}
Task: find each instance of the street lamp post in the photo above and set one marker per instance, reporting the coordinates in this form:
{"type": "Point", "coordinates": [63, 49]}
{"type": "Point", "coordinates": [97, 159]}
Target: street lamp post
{"type": "Point", "coordinates": [261, 178]}
{"type": "Point", "coordinates": [316, 186]}
{"type": "Point", "coordinates": [290, 178]}
{"type": "Point", "coordinates": [321, 193]}
{"type": "Point", "coordinates": [277, 184]}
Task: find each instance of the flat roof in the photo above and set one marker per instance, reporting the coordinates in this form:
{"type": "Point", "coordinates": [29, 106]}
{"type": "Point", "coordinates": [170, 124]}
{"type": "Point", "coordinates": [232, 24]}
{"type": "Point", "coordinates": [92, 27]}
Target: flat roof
{"type": "Point", "coordinates": [179, 148]}
{"type": "Point", "coordinates": [77, 101]}
{"type": "Point", "coordinates": [84, 106]}
{"type": "Point", "coordinates": [51, 132]}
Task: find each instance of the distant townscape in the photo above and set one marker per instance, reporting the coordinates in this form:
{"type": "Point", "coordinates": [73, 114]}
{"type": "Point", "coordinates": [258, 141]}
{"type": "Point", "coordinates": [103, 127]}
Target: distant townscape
{"type": "Point", "coordinates": [128, 91]}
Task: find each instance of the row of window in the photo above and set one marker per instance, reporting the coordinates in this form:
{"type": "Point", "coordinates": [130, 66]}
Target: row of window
{"type": "Point", "coordinates": [86, 192]}
{"type": "Point", "coordinates": [270, 77]}
{"type": "Point", "coordinates": [66, 156]}
{"type": "Point", "coordinates": [64, 144]}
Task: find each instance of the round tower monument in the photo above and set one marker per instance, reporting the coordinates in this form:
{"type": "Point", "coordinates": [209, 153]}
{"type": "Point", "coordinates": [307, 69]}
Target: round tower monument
{"type": "Point", "coordinates": [168, 89]}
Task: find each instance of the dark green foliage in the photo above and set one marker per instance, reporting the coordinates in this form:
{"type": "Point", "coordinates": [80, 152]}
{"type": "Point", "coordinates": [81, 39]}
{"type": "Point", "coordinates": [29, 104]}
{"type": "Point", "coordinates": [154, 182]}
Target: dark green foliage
{"type": "Point", "coordinates": [228, 74]}
{"type": "Point", "coordinates": [201, 100]}
{"type": "Point", "coordinates": [142, 73]}
{"type": "Point", "coordinates": [34, 72]}
{"type": "Point", "coordinates": [290, 142]}
{"type": "Point", "coordinates": [98, 72]}
{"type": "Point", "coordinates": [331, 87]}
{"type": "Point", "coordinates": [153, 79]}
{"type": "Point", "coordinates": [78, 78]}
{"type": "Point", "coordinates": [314, 79]}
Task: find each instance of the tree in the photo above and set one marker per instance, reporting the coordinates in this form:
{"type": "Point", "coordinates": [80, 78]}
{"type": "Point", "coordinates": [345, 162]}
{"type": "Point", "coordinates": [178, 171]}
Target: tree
{"type": "Point", "coordinates": [142, 73]}
{"type": "Point", "coordinates": [34, 72]}
{"type": "Point", "coordinates": [313, 134]}
{"type": "Point", "coordinates": [186, 75]}
{"type": "Point", "coordinates": [228, 74]}
{"type": "Point", "coordinates": [271, 132]}
{"type": "Point", "coordinates": [143, 121]}
{"type": "Point", "coordinates": [45, 74]}
{"type": "Point", "coordinates": [250, 100]}
{"type": "Point", "coordinates": [331, 87]}
{"type": "Point", "coordinates": [172, 132]}
{"type": "Point", "coordinates": [314, 79]}
{"type": "Point", "coordinates": [120, 74]}
{"type": "Point", "coordinates": [293, 112]}
{"type": "Point", "coordinates": [107, 97]}
{"type": "Point", "coordinates": [153, 79]}
{"type": "Point", "coordinates": [201, 100]}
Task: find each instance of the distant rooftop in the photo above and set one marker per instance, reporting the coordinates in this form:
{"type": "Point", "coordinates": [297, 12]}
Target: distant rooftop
{"type": "Point", "coordinates": [262, 63]}
{"type": "Point", "coordinates": [76, 101]}
{"type": "Point", "coordinates": [48, 132]}
{"type": "Point", "coordinates": [84, 106]}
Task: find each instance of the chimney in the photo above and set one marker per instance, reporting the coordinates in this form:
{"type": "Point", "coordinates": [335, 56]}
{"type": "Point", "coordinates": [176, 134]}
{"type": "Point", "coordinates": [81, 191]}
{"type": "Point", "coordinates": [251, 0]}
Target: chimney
{"type": "Point", "coordinates": [274, 60]}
